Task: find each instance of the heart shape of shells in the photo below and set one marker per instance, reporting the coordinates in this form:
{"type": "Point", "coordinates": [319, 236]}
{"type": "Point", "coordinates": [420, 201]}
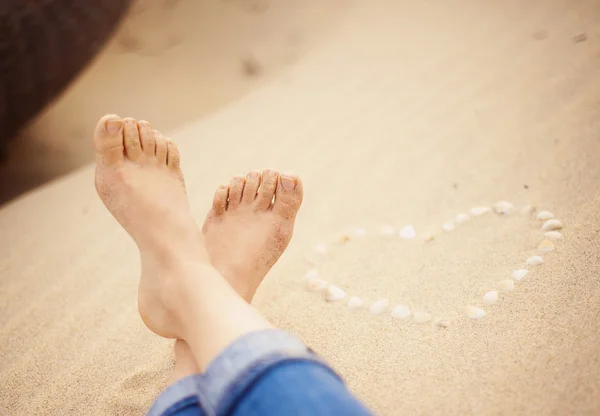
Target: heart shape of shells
{"type": "Point", "coordinates": [549, 234]}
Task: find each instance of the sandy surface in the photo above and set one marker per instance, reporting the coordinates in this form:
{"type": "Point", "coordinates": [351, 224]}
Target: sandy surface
{"type": "Point", "coordinates": [404, 112]}
{"type": "Point", "coordinates": [171, 62]}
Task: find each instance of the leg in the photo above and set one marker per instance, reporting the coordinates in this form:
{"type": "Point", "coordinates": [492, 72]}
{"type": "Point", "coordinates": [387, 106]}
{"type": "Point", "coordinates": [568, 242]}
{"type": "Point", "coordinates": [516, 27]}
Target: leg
{"type": "Point", "coordinates": [240, 222]}
{"type": "Point", "coordinates": [181, 294]}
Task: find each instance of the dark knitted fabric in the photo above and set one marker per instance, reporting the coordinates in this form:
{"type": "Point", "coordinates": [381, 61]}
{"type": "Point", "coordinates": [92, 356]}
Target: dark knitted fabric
{"type": "Point", "coordinates": [44, 44]}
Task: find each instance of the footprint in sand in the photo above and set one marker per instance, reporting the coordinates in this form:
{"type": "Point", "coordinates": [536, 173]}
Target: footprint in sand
{"type": "Point", "coordinates": [434, 276]}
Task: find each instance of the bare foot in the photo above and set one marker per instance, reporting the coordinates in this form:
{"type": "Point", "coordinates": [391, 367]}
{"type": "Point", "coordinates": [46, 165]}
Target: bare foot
{"type": "Point", "coordinates": [250, 225]}
{"type": "Point", "coordinates": [245, 221]}
{"type": "Point", "coordinates": [139, 180]}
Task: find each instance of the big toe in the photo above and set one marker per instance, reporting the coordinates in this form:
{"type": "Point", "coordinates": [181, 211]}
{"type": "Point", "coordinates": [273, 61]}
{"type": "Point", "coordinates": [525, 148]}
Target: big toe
{"type": "Point", "coordinates": [288, 196]}
{"type": "Point", "coordinates": [108, 139]}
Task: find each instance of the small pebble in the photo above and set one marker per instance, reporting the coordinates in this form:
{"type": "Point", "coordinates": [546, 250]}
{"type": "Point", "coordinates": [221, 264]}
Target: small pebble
{"type": "Point", "coordinates": [355, 303]}
{"type": "Point", "coordinates": [490, 297]}
{"type": "Point", "coordinates": [408, 232]}
{"type": "Point", "coordinates": [379, 306]}
{"type": "Point", "coordinates": [429, 238]}
{"type": "Point", "coordinates": [400, 311]}
{"type": "Point", "coordinates": [312, 274]}
{"type": "Point", "coordinates": [321, 248]}
{"type": "Point", "coordinates": [553, 235]}
{"type": "Point", "coordinates": [334, 293]}
{"type": "Point", "coordinates": [519, 274]}
{"type": "Point", "coordinates": [421, 317]}
{"type": "Point", "coordinates": [534, 261]}
{"type": "Point", "coordinates": [580, 37]}
{"type": "Point", "coordinates": [387, 230]}
{"type": "Point", "coordinates": [461, 218]}
{"type": "Point", "coordinates": [544, 215]}
{"type": "Point", "coordinates": [506, 285]}
{"type": "Point", "coordinates": [474, 312]}
{"type": "Point", "coordinates": [443, 323]}
{"type": "Point", "coordinates": [552, 225]}
{"type": "Point", "coordinates": [360, 232]}
{"type": "Point", "coordinates": [316, 285]}
{"type": "Point", "coordinates": [504, 207]}
{"type": "Point", "coordinates": [478, 211]}
{"type": "Point", "coordinates": [546, 246]}
{"type": "Point", "coordinates": [341, 239]}
{"type": "Point", "coordinates": [448, 227]}
{"type": "Point", "coordinates": [527, 210]}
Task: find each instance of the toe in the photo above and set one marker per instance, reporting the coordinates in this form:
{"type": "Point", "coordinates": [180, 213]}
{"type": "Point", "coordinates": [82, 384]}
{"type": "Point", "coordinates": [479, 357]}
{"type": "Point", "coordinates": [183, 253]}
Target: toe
{"type": "Point", "coordinates": [288, 196]}
{"type": "Point", "coordinates": [236, 188]}
{"type": "Point", "coordinates": [147, 138]}
{"type": "Point", "coordinates": [266, 192]}
{"type": "Point", "coordinates": [251, 187]}
{"type": "Point", "coordinates": [108, 139]}
{"type": "Point", "coordinates": [162, 148]}
{"type": "Point", "coordinates": [220, 199]}
{"type": "Point", "coordinates": [133, 147]}
{"type": "Point", "coordinates": [173, 159]}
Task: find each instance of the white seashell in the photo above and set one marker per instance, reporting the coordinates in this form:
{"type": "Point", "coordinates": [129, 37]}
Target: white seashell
{"type": "Point", "coordinates": [443, 323]}
{"type": "Point", "coordinates": [552, 225]}
{"type": "Point", "coordinates": [334, 293]}
{"type": "Point", "coordinates": [506, 285]}
{"type": "Point", "coordinates": [316, 285]}
{"type": "Point", "coordinates": [408, 232]}
{"type": "Point", "coordinates": [355, 303]}
{"type": "Point", "coordinates": [312, 274]}
{"type": "Point", "coordinates": [448, 227]}
{"type": "Point", "coordinates": [519, 274]}
{"type": "Point", "coordinates": [400, 311]}
{"type": "Point", "coordinates": [379, 306]}
{"type": "Point", "coordinates": [387, 230]}
{"type": "Point", "coordinates": [421, 317]}
{"type": "Point", "coordinates": [527, 210]}
{"type": "Point", "coordinates": [546, 246]}
{"type": "Point", "coordinates": [474, 312]}
{"type": "Point", "coordinates": [490, 297]}
{"type": "Point", "coordinates": [478, 211]}
{"type": "Point", "coordinates": [504, 207]}
{"type": "Point", "coordinates": [461, 218]}
{"type": "Point", "coordinates": [544, 215]}
{"type": "Point", "coordinates": [321, 248]}
{"type": "Point", "coordinates": [359, 232]}
{"type": "Point", "coordinates": [553, 235]}
{"type": "Point", "coordinates": [534, 261]}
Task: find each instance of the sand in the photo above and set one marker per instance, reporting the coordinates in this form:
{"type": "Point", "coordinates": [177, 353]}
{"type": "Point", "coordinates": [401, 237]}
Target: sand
{"type": "Point", "coordinates": [402, 113]}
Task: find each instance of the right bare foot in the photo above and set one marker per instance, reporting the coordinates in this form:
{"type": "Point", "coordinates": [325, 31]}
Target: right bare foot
{"type": "Point", "coordinates": [250, 225]}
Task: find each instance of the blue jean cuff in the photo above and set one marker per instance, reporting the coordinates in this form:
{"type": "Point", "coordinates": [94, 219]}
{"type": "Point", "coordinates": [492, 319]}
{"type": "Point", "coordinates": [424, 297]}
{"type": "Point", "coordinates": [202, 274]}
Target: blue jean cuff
{"type": "Point", "coordinates": [233, 372]}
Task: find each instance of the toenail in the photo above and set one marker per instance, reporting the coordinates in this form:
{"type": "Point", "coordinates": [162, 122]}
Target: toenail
{"type": "Point", "coordinates": [113, 126]}
{"type": "Point", "coordinates": [253, 175]}
{"type": "Point", "coordinates": [288, 183]}
{"type": "Point", "coordinates": [130, 122]}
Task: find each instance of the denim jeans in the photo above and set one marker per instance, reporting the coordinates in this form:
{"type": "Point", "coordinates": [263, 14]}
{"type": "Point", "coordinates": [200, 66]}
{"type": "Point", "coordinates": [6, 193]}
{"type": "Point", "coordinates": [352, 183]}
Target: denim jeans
{"type": "Point", "coordinates": [264, 373]}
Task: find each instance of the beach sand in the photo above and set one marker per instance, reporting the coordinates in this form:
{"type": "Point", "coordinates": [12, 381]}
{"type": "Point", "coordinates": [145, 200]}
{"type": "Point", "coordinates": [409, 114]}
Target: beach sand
{"type": "Point", "coordinates": [399, 113]}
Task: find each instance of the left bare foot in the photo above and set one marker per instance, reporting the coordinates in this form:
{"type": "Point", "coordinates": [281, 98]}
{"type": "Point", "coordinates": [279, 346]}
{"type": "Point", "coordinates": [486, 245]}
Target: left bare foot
{"type": "Point", "coordinates": [250, 225]}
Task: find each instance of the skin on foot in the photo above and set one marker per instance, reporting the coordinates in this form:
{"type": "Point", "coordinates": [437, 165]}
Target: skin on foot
{"type": "Point", "coordinates": [250, 225]}
{"type": "Point", "coordinates": [140, 182]}
{"type": "Point", "coordinates": [246, 232]}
